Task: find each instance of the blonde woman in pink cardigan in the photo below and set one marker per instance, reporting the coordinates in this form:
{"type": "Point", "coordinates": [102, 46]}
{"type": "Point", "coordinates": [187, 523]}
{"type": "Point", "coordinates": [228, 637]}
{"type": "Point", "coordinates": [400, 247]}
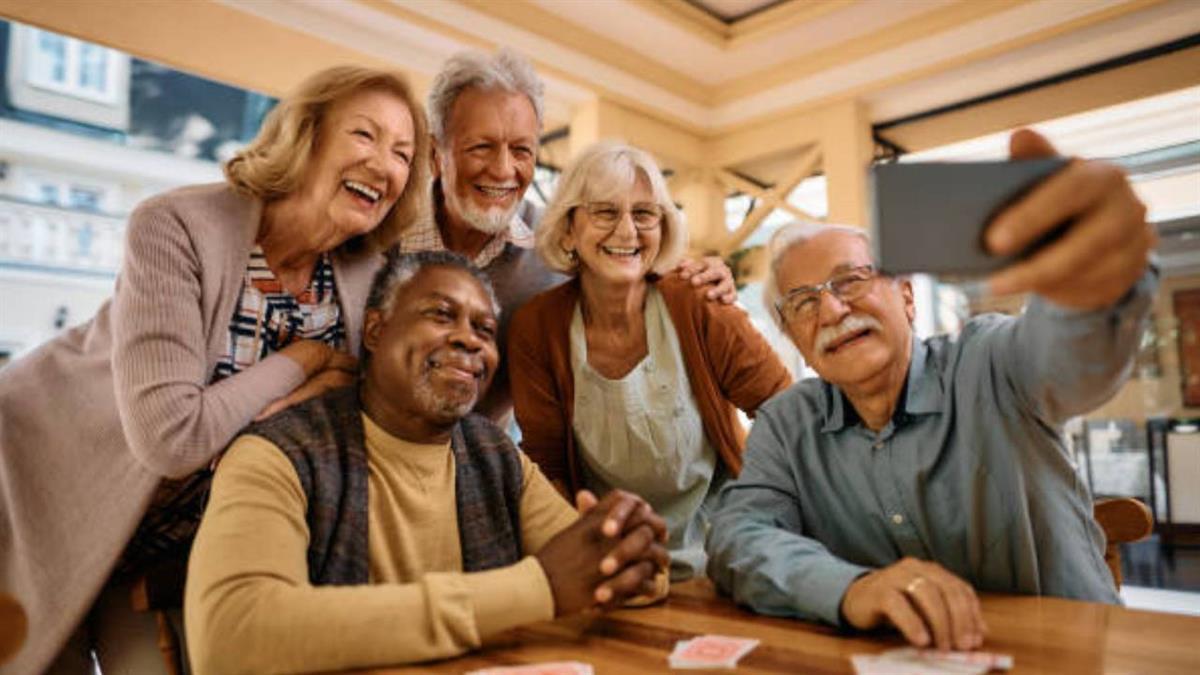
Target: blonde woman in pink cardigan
{"type": "Point", "coordinates": [235, 301]}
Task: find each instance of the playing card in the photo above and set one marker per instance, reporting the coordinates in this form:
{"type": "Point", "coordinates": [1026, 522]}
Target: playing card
{"type": "Point", "coordinates": [911, 661]}
{"type": "Point", "coordinates": [880, 665]}
{"type": "Point", "coordinates": [988, 660]}
{"type": "Point", "coordinates": [710, 651]}
{"type": "Point", "coordinates": [553, 668]}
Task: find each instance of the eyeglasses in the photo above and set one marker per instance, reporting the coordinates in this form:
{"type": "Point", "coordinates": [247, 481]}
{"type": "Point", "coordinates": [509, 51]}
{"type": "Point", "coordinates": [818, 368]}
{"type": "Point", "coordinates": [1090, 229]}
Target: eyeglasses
{"type": "Point", "coordinates": [606, 215]}
{"type": "Point", "coordinates": [802, 303]}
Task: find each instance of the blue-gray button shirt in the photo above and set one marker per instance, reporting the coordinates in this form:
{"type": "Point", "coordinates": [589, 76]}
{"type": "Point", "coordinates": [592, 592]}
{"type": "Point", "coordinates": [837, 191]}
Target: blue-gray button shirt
{"type": "Point", "coordinates": [971, 472]}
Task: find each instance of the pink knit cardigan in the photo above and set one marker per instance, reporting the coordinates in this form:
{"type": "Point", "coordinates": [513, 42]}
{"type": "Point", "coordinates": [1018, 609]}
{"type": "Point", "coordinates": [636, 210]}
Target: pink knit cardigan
{"type": "Point", "coordinates": [91, 421]}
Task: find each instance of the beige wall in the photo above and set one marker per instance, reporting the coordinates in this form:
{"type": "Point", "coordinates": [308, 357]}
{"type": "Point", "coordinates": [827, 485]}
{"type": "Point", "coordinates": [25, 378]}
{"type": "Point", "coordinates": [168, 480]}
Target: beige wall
{"type": "Point", "coordinates": [1160, 396]}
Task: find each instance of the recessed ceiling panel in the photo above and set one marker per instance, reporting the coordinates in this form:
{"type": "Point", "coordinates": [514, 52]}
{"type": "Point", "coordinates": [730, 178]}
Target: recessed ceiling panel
{"type": "Point", "coordinates": [730, 11]}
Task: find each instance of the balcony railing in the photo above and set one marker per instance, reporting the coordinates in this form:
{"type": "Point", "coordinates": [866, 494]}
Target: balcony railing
{"type": "Point", "coordinates": [54, 238]}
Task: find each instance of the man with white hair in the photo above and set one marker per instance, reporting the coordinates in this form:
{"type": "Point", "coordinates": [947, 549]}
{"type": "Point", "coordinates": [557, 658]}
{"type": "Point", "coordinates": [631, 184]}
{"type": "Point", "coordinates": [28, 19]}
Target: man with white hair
{"type": "Point", "coordinates": [914, 472]}
{"type": "Point", "coordinates": [485, 116]}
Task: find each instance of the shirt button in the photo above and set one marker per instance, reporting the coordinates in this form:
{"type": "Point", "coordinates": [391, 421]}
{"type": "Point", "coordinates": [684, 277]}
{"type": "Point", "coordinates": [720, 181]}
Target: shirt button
{"type": "Point", "coordinates": [897, 519]}
{"type": "Point", "coordinates": [878, 445]}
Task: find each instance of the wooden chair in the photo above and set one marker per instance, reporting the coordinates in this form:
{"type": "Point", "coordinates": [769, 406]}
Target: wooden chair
{"type": "Point", "coordinates": [161, 589]}
{"type": "Point", "coordinates": [1124, 520]}
{"type": "Point", "coordinates": [13, 626]}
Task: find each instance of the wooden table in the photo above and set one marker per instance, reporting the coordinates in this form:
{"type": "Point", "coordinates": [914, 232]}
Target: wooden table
{"type": "Point", "coordinates": [1044, 635]}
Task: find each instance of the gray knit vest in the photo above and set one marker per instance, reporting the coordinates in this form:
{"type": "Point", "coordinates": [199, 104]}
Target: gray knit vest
{"type": "Point", "coordinates": [323, 438]}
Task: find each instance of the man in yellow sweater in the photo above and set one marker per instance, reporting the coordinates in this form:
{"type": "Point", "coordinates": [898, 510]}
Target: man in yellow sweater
{"type": "Point", "coordinates": [384, 524]}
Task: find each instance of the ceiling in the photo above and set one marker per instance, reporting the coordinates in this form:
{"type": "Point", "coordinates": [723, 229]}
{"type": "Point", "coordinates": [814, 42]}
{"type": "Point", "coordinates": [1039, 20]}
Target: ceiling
{"type": "Point", "coordinates": [730, 11]}
{"type": "Point", "coordinates": [677, 61]}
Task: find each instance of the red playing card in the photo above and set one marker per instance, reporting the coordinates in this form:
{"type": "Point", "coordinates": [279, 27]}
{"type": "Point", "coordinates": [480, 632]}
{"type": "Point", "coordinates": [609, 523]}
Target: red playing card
{"type": "Point", "coordinates": [710, 651]}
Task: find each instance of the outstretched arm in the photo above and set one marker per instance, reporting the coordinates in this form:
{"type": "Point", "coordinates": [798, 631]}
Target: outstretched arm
{"type": "Point", "coordinates": [1075, 344]}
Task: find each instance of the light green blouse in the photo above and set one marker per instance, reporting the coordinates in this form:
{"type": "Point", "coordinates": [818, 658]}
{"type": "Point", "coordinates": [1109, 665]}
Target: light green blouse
{"type": "Point", "coordinates": [643, 434]}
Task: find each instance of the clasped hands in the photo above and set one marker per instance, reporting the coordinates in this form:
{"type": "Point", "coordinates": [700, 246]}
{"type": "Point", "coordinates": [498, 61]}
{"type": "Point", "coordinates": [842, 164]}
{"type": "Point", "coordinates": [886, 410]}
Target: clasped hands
{"type": "Point", "coordinates": [611, 554]}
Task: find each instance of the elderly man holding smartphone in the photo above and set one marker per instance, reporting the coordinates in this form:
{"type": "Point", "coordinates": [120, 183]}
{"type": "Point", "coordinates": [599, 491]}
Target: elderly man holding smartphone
{"type": "Point", "coordinates": [914, 472]}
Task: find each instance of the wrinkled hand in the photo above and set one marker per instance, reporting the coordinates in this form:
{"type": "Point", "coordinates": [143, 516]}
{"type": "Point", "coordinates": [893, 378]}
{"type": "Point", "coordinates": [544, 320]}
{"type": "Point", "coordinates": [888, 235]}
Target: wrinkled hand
{"type": "Point", "coordinates": [1102, 253]}
{"type": "Point", "coordinates": [334, 370]}
{"type": "Point", "coordinates": [315, 356]}
{"type": "Point", "coordinates": [918, 598]}
{"type": "Point", "coordinates": [710, 270]}
{"type": "Point", "coordinates": [589, 568]}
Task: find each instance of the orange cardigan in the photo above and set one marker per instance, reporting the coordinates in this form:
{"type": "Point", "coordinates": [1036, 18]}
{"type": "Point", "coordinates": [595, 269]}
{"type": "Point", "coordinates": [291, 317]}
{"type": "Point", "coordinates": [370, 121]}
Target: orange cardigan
{"type": "Point", "coordinates": [728, 362]}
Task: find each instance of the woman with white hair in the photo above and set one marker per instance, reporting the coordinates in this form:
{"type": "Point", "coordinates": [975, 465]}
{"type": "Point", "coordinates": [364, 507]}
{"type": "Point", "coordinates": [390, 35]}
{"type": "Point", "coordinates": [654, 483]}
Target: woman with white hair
{"type": "Point", "coordinates": [235, 300]}
{"type": "Point", "coordinates": [624, 378]}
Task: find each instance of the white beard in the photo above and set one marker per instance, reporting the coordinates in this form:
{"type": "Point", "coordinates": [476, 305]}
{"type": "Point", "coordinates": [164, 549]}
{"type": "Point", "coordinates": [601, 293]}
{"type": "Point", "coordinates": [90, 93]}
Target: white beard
{"type": "Point", "coordinates": [448, 408]}
{"type": "Point", "coordinates": [491, 221]}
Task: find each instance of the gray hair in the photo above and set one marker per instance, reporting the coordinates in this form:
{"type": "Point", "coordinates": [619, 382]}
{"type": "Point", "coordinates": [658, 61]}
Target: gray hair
{"type": "Point", "coordinates": [602, 170]}
{"type": "Point", "coordinates": [785, 239]}
{"type": "Point", "coordinates": [401, 268]}
{"type": "Point", "coordinates": [506, 70]}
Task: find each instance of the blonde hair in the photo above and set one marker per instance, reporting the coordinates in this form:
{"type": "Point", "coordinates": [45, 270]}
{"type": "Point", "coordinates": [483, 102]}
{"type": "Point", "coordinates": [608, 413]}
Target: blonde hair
{"type": "Point", "coordinates": [273, 164]}
{"type": "Point", "coordinates": [601, 171]}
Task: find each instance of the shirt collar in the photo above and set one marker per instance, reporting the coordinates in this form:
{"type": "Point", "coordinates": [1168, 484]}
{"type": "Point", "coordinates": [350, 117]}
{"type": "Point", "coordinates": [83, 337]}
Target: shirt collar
{"type": "Point", "coordinates": [425, 236]}
{"type": "Point", "coordinates": [922, 392]}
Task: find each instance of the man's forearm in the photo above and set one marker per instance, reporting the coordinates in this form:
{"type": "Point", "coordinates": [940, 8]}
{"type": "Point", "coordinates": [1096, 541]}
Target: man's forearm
{"type": "Point", "coordinates": [774, 571]}
{"type": "Point", "coordinates": [1068, 362]}
{"type": "Point", "coordinates": [267, 624]}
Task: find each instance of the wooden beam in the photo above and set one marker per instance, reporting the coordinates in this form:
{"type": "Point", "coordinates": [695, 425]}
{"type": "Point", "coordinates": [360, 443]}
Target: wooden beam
{"type": "Point", "coordinates": [737, 183]}
{"type": "Point", "coordinates": [1160, 75]}
{"type": "Point", "coordinates": [848, 147]}
{"type": "Point", "coordinates": [891, 36]}
{"type": "Point", "coordinates": [550, 26]}
{"type": "Point", "coordinates": [772, 198]}
{"type": "Point", "coordinates": [777, 137]}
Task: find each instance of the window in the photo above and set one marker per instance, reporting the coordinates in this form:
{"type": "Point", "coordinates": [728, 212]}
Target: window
{"type": "Point", "coordinates": [46, 193]}
{"type": "Point", "coordinates": [84, 198]}
{"type": "Point", "coordinates": [71, 66]}
{"type": "Point", "coordinates": [64, 191]}
{"type": "Point", "coordinates": [48, 64]}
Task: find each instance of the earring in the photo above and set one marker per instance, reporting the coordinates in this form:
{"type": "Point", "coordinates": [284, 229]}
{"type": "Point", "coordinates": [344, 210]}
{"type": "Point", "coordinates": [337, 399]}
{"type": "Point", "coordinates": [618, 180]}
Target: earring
{"type": "Point", "coordinates": [572, 256]}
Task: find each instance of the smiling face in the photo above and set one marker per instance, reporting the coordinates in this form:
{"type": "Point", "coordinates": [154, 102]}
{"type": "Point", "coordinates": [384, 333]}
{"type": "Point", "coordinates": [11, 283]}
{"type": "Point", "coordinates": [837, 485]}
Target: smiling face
{"type": "Point", "coordinates": [434, 357]}
{"type": "Point", "coordinates": [620, 254]}
{"type": "Point", "coordinates": [847, 343]}
{"type": "Point", "coordinates": [359, 164]}
{"type": "Point", "coordinates": [487, 159]}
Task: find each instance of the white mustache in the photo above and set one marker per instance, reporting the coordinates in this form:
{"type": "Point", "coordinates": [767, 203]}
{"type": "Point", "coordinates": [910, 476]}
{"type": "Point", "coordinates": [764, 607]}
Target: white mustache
{"type": "Point", "coordinates": [853, 323]}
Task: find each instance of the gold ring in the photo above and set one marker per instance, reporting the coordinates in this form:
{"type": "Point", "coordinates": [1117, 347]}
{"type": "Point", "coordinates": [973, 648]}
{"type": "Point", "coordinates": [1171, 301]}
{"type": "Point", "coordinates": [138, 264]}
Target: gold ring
{"type": "Point", "coordinates": [911, 588]}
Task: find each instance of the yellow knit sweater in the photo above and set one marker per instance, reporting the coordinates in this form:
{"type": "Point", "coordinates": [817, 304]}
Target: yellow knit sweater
{"type": "Point", "coordinates": [250, 608]}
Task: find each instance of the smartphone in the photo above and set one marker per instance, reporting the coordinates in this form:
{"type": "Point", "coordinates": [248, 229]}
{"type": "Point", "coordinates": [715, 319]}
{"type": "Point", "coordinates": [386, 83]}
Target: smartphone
{"type": "Point", "coordinates": [930, 217]}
